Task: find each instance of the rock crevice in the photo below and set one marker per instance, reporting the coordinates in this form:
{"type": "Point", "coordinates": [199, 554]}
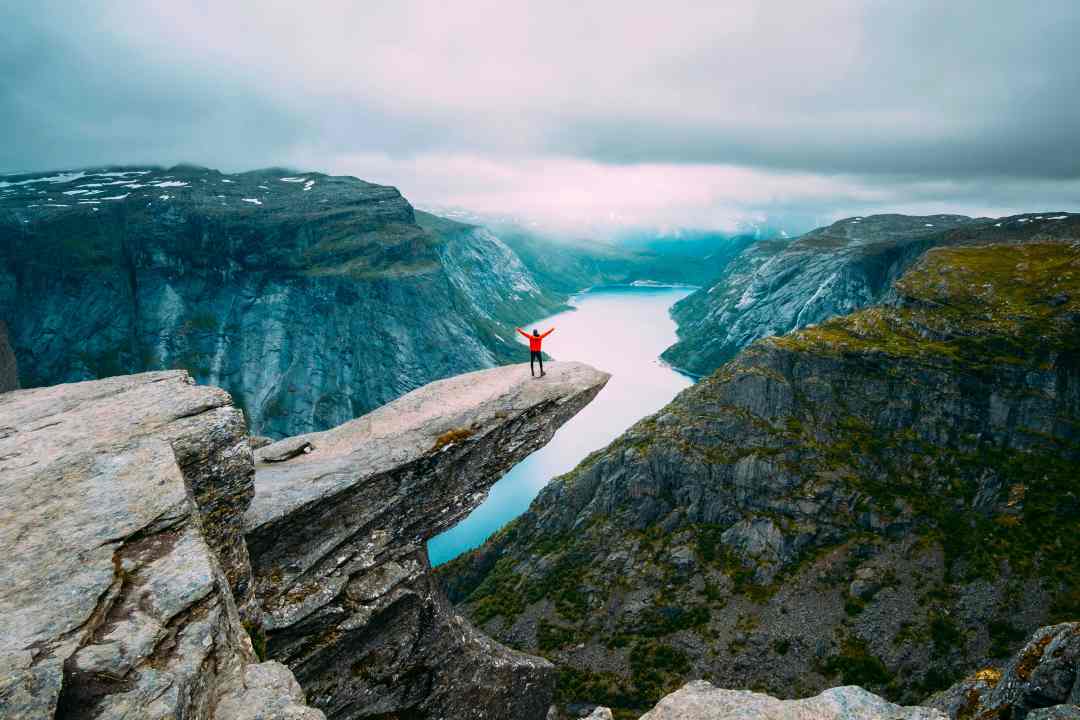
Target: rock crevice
{"type": "Point", "coordinates": [337, 538]}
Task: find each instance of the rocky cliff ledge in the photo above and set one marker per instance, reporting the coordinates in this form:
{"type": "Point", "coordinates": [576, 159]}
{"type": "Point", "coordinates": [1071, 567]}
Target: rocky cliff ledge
{"type": "Point", "coordinates": [123, 500]}
{"type": "Point", "coordinates": [128, 590]}
{"type": "Point", "coordinates": [337, 535]}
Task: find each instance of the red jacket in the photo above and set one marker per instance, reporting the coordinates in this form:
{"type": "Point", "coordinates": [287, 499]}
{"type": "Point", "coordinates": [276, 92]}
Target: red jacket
{"type": "Point", "coordinates": [535, 340]}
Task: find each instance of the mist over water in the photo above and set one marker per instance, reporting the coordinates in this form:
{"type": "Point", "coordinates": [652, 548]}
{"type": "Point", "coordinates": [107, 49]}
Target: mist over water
{"type": "Point", "coordinates": [621, 330]}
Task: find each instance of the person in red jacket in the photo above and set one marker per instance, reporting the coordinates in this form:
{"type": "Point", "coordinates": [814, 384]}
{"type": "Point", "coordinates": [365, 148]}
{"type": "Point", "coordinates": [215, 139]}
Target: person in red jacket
{"type": "Point", "coordinates": [534, 348]}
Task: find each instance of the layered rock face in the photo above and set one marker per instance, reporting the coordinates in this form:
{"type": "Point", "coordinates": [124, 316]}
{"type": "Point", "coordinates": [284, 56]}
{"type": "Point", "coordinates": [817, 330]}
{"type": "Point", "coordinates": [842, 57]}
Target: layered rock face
{"type": "Point", "coordinates": [886, 499]}
{"type": "Point", "coordinates": [122, 517]}
{"type": "Point", "coordinates": [337, 535]}
{"type": "Point", "coordinates": [776, 286]}
{"type": "Point", "coordinates": [311, 299]}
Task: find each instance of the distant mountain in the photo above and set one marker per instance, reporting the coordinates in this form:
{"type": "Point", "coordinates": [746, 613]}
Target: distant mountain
{"type": "Point", "coordinates": [569, 265]}
{"type": "Point", "coordinates": [777, 285]}
{"type": "Point", "coordinates": [311, 298]}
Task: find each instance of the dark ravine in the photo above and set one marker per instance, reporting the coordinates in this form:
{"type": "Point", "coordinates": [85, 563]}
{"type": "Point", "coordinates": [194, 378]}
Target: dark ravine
{"type": "Point", "coordinates": [311, 299]}
{"type": "Point", "coordinates": [886, 499]}
{"type": "Point", "coordinates": [779, 285]}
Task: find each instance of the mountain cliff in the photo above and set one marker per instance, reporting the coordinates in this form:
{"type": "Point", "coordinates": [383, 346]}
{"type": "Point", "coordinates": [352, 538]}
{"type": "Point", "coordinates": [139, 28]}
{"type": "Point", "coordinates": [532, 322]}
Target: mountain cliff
{"type": "Point", "coordinates": [338, 534]}
{"type": "Point", "coordinates": [776, 285]}
{"type": "Point", "coordinates": [885, 499]}
{"type": "Point", "coordinates": [155, 561]}
{"type": "Point", "coordinates": [9, 368]}
{"type": "Point", "coordinates": [311, 299]}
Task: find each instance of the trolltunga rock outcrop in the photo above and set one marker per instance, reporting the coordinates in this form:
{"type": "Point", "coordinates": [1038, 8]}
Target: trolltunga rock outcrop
{"type": "Point", "coordinates": [123, 502]}
{"type": "Point", "coordinates": [337, 535]}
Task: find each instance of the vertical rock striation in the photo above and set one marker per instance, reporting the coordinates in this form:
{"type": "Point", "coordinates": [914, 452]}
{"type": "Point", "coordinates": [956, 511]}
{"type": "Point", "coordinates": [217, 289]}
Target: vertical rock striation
{"type": "Point", "coordinates": [9, 368]}
{"type": "Point", "coordinates": [123, 503]}
{"type": "Point", "coordinates": [311, 299]}
{"type": "Point", "coordinates": [337, 534]}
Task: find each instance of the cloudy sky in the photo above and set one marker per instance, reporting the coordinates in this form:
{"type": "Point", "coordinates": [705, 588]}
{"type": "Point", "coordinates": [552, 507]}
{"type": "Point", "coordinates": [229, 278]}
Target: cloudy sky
{"type": "Point", "coordinates": [673, 113]}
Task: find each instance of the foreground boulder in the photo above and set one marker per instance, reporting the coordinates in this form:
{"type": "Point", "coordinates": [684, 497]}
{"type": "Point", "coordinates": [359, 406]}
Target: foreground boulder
{"type": "Point", "coordinates": [1040, 681]}
{"type": "Point", "coordinates": [701, 701]}
{"type": "Point", "coordinates": [337, 534]}
{"type": "Point", "coordinates": [123, 501]}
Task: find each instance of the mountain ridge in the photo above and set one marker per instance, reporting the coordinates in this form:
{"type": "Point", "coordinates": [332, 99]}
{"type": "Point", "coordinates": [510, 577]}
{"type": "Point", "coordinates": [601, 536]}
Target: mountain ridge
{"type": "Point", "coordinates": [778, 285]}
{"type": "Point", "coordinates": [119, 270]}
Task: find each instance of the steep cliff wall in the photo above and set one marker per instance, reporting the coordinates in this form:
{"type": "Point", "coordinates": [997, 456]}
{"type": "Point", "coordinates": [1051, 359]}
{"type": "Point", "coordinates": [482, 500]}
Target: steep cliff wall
{"type": "Point", "coordinates": [885, 499]}
{"type": "Point", "coordinates": [135, 514]}
{"type": "Point", "coordinates": [121, 522]}
{"type": "Point", "coordinates": [776, 286]}
{"type": "Point", "coordinates": [338, 531]}
{"type": "Point", "coordinates": [9, 367]}
{"type": "Point", "coordinates": [311, 299]}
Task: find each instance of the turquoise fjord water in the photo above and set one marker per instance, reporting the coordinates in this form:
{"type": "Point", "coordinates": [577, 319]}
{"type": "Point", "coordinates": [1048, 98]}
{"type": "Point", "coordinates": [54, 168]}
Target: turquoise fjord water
{"type": "Point", "coordinates": [621, 330]}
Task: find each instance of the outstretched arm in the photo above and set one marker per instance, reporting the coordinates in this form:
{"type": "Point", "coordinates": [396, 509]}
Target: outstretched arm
{"type": "Point", "coordinates": [548, 333]}
{"type": "Point", "coordinates": [523, 332]}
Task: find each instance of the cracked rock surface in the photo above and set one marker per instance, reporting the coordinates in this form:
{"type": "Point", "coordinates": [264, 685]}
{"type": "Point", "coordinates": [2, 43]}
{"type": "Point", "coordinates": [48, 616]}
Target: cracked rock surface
{"type": "Point", "coordinates": [122, 507]}
{"type": "Point", "coordinates": [338, 534]}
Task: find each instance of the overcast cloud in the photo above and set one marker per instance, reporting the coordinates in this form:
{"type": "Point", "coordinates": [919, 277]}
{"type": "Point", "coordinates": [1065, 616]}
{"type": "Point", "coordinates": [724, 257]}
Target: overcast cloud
{"type": "Point", "coordinates": [677, 113]}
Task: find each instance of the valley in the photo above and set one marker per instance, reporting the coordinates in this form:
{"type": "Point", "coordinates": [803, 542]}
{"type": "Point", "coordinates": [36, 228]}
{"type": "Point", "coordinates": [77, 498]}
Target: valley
{"type": "Point", "coordinates": [882, 499]}
{"type": "Point", "coordinates": [870, 484]}
{"type": "Point", "coordinates": [620, 328]}
{"type": "Point", "coordinates": [312, 299]}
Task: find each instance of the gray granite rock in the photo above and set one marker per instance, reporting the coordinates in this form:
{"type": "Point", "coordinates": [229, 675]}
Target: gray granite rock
{"type": "Point", "coordinates": [266, 691]}
{"type": "Point", "coordinates": [699, 700]}
{"type": "Point", "coordinates": [123, 500]}
{"type": "Point", "coordinates": [337, 540]}
{"type": "Point", "coordinates": [825, 481]}
{"type": "Point", "coordinates": [1045, 673]}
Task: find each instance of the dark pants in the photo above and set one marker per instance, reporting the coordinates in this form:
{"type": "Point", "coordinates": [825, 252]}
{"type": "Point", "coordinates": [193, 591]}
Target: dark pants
{"type": "Point", "coordinates": [536, 355]}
